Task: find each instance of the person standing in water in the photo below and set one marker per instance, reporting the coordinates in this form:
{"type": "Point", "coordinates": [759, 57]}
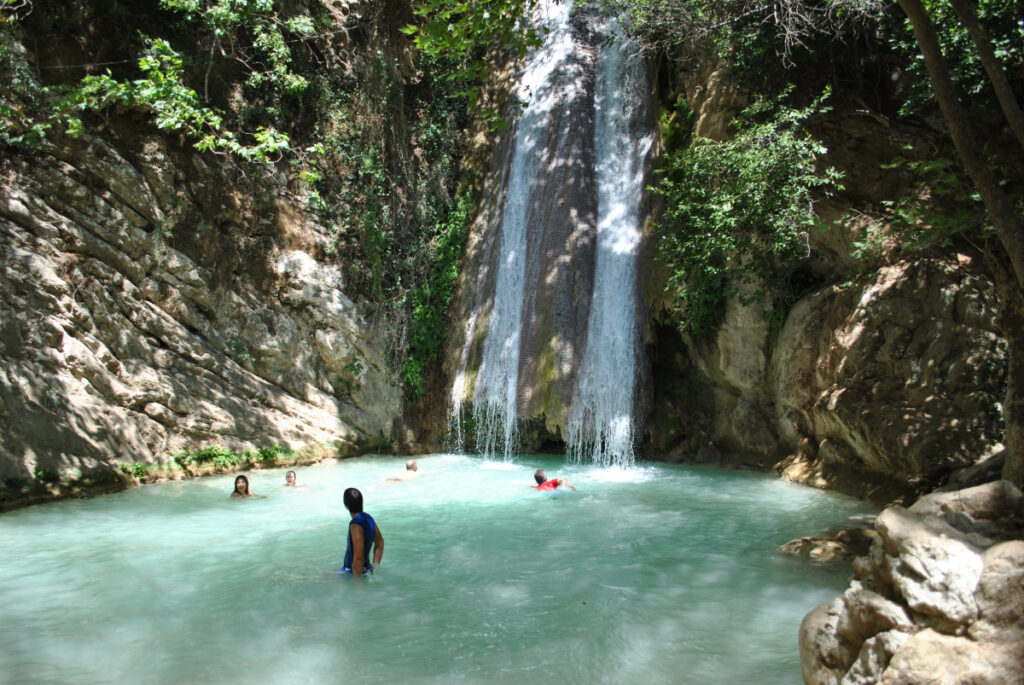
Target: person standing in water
{"type": "Point", "coordinates": [549, 485]}
{"type": "Point", "coordinates": [289, 481]}
{"type": "Point", "coordinates": [363, 536]}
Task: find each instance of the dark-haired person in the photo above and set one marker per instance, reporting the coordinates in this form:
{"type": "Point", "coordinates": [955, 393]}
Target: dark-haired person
{"type": "Point", "coordinates": [363, 536]}
{"type": "Point", "coordinates": [242, 488]}
{"type": "Point", "coordinates": [289, 480]}
{"type": "Point", "coordinates": [549, 485]}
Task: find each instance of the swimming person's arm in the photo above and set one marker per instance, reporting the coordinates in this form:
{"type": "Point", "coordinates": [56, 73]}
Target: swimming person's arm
{"type": "Point", "coordinates": [378, 547]}
{"type": "Point", "coordinates": [356, 531]}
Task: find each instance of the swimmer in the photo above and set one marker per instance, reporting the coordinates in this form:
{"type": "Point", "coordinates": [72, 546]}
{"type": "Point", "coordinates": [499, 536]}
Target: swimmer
{"type": "Point", "coordinates": [242, 488]}
{"type": "Point", "coordinates": [363, 535]}
{"type": "Point", "coordinates": [290, 482]}
{"type": "Point", "coordinates": [549, 485]}
{"type": "Point", "coordinates": [411, 471]}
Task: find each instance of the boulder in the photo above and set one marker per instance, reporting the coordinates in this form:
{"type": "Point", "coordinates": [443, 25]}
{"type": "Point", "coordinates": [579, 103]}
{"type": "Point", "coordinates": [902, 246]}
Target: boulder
{"type": "Point", "coordinates": [931, 602]}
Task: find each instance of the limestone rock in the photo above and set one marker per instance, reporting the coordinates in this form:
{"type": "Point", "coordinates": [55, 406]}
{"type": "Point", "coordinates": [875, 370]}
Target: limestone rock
{"type": "Point", "coordinates": [897, 379]}
{"type": "Point", "coordinates": [993, 500]}
{"type": "Point", "coordinates": [843, 545]}
{"type": "Point", "coordinates": [932, 657]}
{"type": "Point", "coordinates": [935, 575]}
{"type": "Point", "coordinates": [824, 655]}
{"type": "Point", "coordinates": [927, 606]}
{"type": "Point", "coordinates": [874, 657]}
{"type": "Point", "coordinates": [1000, 594]}
{"type": "Point", "coordinates": [129, 330]}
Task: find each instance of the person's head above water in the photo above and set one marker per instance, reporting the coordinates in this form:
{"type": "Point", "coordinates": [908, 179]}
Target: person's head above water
{"type": "Point", "coordinates": [244, 482]}
{"type": "Point", "coordinates": [353, 500]}
{"type": "Point", "coordinates": [411, 465]}
{"type": "Point", "coordinates": [289, 478]}
{"type": "Point", "coordinates": [540, 476]}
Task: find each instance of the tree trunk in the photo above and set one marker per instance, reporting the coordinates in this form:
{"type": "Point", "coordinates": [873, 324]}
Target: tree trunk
{"type": "Point", "coordinates": [1012, 323]}
{"type": "Point", "coordinates": [1001, 213]}
{"type": "Point", "coordinates": [1000, 84]}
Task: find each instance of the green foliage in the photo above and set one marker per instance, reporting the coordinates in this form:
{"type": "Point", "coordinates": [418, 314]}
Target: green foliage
{"type": "Point", "coordinates": [381, 444]}
{"type": "Point", "coordinates": [941, 209]}
{"type": "Point", "coordinates": [136, 469]}
{"type": "Point", "coordinates": [239, 349]}
{"type": "Point", "coordinates": [349, 383]}
{"type": "Point", "coordinates": [220, 457]}
{"type": "Point", "coordinates": [737, 214]}
{"type": "Point", "coordinates": [751, 34]}
{"type": "Point", "coordinates": [225, 459]}
{"type": "Point", "coordinates": [28, 112]}
{"type": "Point", "coordinates": [48, 475]}
{"type": "Point", "coordinates": [378, 207]}
{"type": "Point", "coordinates": [16, 483]}
{"type": "Point", "coordinates": [463, 33]}
{"type": "Point", "coordinates": [920, 221]}
{"type": "Point", "coordinates": [676, 124]}
{"type": "Point", "coordinates": [267, 456]}
{"type": "Point", "coordinates": [268, 58]}
{"type": "Point", "coordinates": [432, 297]}
{"type": "Point", "coordinates": [386, 207]}
{"type": "Point", "coordinates": [1001, 20]}
{"type": "Point", "coordinates": [22, 97]}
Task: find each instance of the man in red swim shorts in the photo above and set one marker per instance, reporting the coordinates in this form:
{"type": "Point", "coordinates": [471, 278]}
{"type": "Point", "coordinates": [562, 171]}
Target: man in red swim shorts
{"type": "Point", "coordinates": [554, 484]}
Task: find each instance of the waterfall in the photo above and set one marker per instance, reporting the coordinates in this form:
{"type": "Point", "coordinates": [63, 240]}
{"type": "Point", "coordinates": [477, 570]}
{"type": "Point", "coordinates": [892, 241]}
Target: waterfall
{"type": "Point", "coordinates": [601, 420]}
{"type": "Point", "coordinates": [560, 336]}
{"type": "Point", "coordinates": [495, 392]}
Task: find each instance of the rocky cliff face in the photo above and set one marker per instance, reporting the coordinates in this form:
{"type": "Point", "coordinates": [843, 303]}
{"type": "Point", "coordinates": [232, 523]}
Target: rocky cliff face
{"type": "Point", "coordinates": [152, 302]}
{"type": "Point", "coordinates": [902, 377]}
{"type": "Point", "coordinates": [884, 386]}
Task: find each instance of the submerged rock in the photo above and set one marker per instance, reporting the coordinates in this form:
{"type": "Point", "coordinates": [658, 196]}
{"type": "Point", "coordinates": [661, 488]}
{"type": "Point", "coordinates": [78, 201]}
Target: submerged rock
{"type": "Point", "coordinates": [845, 544]}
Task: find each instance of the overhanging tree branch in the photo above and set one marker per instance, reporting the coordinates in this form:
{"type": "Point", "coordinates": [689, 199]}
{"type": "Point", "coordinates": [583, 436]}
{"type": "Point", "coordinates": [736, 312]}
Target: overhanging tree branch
{"type": "Point", "coordinates": [1000, 208]}
{"type": "Point", "coordinates": [995, 72]}
{"type": "Point", "coordinates": [1008, 229]}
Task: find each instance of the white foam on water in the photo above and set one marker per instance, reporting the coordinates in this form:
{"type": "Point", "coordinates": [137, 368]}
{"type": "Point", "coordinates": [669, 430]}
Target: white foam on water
{"type": "Point", "coordinates": [500, 466]}
{"type": "Point", "coordinates": [619, 474]}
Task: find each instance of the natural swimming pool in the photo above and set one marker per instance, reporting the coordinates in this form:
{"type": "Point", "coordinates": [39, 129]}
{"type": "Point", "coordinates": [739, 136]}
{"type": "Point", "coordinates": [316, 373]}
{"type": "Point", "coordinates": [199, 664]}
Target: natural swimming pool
{"type": "Point", "coordinates": [659, 574]}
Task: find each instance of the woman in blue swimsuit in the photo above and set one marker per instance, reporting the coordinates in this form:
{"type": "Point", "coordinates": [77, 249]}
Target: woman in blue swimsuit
{"type": "Point", "coordinates": [363, 536]}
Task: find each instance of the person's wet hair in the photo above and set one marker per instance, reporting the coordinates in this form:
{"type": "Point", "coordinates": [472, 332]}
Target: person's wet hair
{"type": "Point", "coordinates": [244, 480]}
{"type": "Point", "coordinates": [353, 500]}
{"type": "Point", "coordinates": [540, 476]}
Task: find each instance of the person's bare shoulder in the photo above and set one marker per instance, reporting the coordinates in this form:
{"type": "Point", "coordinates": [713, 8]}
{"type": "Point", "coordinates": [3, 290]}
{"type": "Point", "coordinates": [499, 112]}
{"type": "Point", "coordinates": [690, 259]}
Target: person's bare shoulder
{"type": "Point", "coordinates": [399, 476]}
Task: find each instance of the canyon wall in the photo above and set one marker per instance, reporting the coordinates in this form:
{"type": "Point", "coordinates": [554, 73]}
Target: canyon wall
{"type": "Point", "coordinates": [883, 383]}
{"type": "Point", "coordinates": [152, 302]}
{"type": "Point", "coordinates": [155, 298]}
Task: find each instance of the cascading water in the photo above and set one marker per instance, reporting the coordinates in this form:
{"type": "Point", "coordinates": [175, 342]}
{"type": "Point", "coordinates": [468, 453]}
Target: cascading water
{"type": "Point", "coordinates": [601, 420]}
{"type": "Point", "coordinates": [495, 392]}
{"type": "Point", "coordinates": [562, 336]}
